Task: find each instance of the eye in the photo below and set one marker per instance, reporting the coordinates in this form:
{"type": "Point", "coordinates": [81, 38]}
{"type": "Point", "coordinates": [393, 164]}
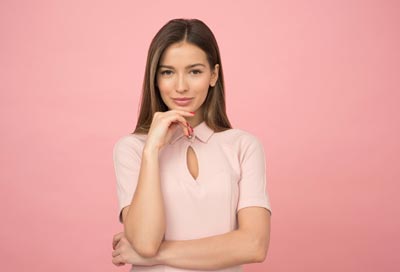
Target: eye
{"type": "Point", "coordinates": [166, 72]}
{"type": "Point", "coordinates": [196, 72]}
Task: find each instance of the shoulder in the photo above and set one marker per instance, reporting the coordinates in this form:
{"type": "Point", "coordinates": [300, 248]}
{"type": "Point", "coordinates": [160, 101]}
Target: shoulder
{"type": "Point", "coordinates": [131, 143]}
{"type": "Point", "coordinates": [240, 143]}
{"type": "Point", "coordinates": [238, 137]}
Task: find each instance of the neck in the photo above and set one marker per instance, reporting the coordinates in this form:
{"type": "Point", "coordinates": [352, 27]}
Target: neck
{"type": "Point", "coordinates": [196, 119]}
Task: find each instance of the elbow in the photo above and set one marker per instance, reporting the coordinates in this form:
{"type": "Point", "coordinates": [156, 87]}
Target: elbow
{"type": "Point", "coordinates": [143, 248]}
{"type": "Point", "coordinates": [147, 251]}
{"type": "Point", "coordinates": [260, 256]}
{"type": "Point", "coordinates": [261, 251]}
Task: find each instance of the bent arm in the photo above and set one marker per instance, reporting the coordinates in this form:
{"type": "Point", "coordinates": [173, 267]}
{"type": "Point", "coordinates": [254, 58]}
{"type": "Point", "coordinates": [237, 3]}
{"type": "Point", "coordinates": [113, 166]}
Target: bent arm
{"type": "Point", "coordinates": [248, 244]}
{"type": "Point", "coordinates": [144, 219]}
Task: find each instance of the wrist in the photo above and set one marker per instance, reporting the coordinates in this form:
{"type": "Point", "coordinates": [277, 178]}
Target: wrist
{"type": "Point", "coordinates": [150, 149]}
{"type": "Point", "coordinates": [152, 261]}
{"type": "Point", "coordinates": [162, 255]}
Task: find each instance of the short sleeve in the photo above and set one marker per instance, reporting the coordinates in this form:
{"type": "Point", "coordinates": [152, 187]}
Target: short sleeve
{"type": "Point", "coordinates": [252, 183]}
{"type": "Point", "coordinates": [127, 159]}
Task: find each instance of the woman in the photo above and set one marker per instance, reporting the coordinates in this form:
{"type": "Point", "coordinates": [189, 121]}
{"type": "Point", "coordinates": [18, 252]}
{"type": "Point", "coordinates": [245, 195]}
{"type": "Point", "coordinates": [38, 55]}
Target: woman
{"type": "Point", "coordinates": [191, 189]}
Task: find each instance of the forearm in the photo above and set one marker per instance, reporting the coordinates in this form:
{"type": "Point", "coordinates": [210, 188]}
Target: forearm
{"type": "Point", "coordinates": [144, 225]}
{"type": "Point", "coordinates": [210, 253]}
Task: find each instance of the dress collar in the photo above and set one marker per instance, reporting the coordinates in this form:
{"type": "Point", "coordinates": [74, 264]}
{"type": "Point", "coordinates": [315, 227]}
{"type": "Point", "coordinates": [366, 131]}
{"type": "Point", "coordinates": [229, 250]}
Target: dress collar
{"type": "Point", "coordinates": [202, 132]}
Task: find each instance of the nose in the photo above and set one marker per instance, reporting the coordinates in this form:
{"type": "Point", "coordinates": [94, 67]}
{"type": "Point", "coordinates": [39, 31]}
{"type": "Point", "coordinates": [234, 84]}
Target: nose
{"type": "Point", "coordinates": [181, 84]}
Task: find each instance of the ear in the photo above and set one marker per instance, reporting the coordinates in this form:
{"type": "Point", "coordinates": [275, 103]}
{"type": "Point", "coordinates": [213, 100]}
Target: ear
{"type": "Point", "coordinates": [214, 75]}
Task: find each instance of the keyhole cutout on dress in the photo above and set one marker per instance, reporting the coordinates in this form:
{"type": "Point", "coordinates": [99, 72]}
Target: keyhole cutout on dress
{"type": "Point", "coordinates": [192, 163]}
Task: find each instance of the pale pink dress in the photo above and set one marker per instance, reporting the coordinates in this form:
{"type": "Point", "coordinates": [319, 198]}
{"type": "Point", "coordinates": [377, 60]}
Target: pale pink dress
{"type": "Point", "coordinates": [231, 176]}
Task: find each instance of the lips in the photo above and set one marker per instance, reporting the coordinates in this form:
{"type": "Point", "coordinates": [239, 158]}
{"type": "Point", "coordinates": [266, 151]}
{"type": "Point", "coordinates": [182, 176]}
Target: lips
{"type": "Point", "coordinates": [182, 101]}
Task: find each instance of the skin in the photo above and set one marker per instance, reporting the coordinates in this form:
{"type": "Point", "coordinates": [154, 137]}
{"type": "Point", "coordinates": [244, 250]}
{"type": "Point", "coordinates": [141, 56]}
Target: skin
{"type": "Point", "coordinates": [248, 244]}
{"type": "Point", "coordinates": [184, 72]}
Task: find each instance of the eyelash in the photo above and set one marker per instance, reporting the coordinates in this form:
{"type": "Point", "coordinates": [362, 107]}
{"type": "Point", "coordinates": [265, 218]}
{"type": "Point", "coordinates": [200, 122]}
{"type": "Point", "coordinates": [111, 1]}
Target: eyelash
{"type": "Point", "coordinates": [165, 72]}
{"type": "Point", "coordinates": [197, 72]}
{"type": "Point", "coordinates": [168, 72]}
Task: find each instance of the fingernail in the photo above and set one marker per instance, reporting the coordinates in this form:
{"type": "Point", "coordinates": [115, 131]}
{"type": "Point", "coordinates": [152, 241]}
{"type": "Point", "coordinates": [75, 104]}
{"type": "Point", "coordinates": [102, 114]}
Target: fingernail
{"type": "Point", "coordinates": [192, 112]}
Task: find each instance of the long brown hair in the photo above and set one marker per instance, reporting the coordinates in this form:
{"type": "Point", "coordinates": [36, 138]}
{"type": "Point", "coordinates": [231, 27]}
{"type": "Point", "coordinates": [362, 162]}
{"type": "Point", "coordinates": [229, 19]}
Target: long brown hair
{"type": "Point", "coordinates": [197, 33]}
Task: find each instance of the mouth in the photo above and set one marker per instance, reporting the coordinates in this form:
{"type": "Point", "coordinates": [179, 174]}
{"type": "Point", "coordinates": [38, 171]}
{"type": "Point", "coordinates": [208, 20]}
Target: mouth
{"type": "Point", "coordinates": [184, 101]}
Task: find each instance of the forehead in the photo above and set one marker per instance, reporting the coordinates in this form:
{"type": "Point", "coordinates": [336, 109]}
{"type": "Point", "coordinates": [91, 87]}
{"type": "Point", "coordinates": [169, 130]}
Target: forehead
{"type": "Point", "coordinates": [183, 53]}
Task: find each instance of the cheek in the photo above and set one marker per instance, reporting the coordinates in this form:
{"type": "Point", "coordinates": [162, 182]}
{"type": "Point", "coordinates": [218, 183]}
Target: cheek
{"type": "Point", "coordinates": [164, 86]}
{"type": "Point", "coordinates": [200, 82]}
{"type": "Point", "coordinates": [201, 85]}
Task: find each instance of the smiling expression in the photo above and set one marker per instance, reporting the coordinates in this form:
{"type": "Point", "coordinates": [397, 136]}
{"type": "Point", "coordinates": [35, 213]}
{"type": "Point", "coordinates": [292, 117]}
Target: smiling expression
{"type": "Point", "coordinates": [184, 77]}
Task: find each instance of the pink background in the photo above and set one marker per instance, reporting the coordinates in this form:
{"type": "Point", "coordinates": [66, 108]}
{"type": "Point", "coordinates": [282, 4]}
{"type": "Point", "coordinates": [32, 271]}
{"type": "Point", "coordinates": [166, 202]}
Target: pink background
{"type": "Point", "coordinates": [316, 81]}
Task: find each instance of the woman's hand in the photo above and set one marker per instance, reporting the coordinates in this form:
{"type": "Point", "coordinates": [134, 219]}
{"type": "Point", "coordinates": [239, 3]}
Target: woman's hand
{"type": "Point", "coordinates": [164, 124]}
{"type": "Point", "coordinates": [124, 253]}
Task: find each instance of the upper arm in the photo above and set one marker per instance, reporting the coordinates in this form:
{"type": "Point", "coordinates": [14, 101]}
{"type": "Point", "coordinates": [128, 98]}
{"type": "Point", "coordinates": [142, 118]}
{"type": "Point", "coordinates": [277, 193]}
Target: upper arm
{"type": "Point", "coordinates": [256, 222]}
{"type": "Point", "coordinates": [252, 182]}
{"type": "Point", "coordinates": [254, 209]}
{"type": "Point", "coordinates": [127, 159]}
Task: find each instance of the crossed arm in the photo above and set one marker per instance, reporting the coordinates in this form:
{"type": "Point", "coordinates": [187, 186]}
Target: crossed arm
{"type": "Point", "coordinates": [144, 224]}
{"type": "Point", "coordinates": [248, 244]}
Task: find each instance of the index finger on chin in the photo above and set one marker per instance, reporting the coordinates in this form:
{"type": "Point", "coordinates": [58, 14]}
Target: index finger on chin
{"type": "Point", "coordinates": [185, 113]}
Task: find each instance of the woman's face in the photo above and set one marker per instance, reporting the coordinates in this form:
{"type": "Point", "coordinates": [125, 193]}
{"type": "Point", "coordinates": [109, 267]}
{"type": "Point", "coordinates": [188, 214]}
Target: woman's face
{"type": "Point", "coordinates": [184, 77]}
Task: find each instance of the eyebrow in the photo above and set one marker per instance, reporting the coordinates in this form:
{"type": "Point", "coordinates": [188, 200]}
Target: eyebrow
{"type": "Point", "coordinates": [187, 67]}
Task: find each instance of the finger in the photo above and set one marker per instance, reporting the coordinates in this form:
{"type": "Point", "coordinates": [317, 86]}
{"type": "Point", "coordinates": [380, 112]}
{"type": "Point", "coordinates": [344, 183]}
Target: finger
{"type": "Point", "coordinates": [182, 112]}
{"type": "Point", "coordinates": [118, 261]}
{"type": "Point", "coordinates": [190, 128]}
{"type": "Point", "coordinates": [118, 245]}
{"type": "Point", "coordinates": [174, 123]}
{"type": "Point", "coordinates": [116, 239]}
{"type": "Point", "coordinates": [176, 118]}
{"type": "Point", "coordinates": [118, 236]}
{"type": "Point", "coordinates": [115, 253]}
{"type": "Point", "coordinates": [185, 128]}
{"type": "Point", "coordinates": [173, 117]}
